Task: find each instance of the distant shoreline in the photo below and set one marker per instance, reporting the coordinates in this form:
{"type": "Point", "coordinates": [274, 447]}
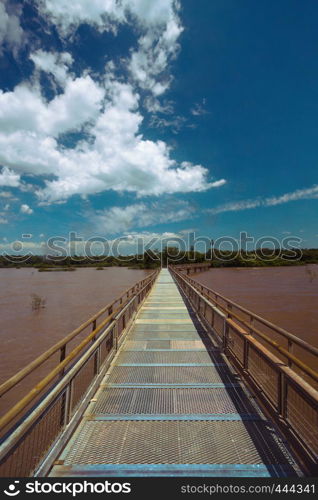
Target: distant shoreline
{"type": "Point", "coordinates": [227, 265]}
{"type": "Point", "coordinates": [259, 258]}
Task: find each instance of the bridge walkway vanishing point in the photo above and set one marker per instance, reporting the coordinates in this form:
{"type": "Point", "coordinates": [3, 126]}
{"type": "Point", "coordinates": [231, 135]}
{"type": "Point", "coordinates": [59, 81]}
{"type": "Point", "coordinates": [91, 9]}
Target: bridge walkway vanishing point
{"type": "Point", "coordinates": [170, 405]}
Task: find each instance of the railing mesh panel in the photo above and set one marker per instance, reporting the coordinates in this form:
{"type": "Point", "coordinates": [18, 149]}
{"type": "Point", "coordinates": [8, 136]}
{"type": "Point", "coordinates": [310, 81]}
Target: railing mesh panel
{"type": "Point", "coordinates": [303, 417]}
{"type": "Point", "coordinates": [236, 344]}
{"type": "Point", "coordinates": [264, 373]}
{"type": "Point", "coordinates": [81, 382]}
{"type": "Point", "coordinates": [106, 346]}
{"type": "Point", "coordinates": [32, 448]}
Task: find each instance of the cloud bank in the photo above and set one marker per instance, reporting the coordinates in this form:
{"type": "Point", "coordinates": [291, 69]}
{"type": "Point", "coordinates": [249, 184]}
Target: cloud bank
{"type": "Point", "coordinates": [110, 153]}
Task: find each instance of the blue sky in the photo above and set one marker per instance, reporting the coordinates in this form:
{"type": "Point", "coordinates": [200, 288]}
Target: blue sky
{"type": "Point", "coordinates": [151, 118]}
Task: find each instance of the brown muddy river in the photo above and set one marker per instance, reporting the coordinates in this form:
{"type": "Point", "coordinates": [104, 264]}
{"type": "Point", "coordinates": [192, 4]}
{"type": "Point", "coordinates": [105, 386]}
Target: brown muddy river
{"type": "Point", "coordinates": [286, 296]}
{"type": "Point", "coordinates": [71, 298]}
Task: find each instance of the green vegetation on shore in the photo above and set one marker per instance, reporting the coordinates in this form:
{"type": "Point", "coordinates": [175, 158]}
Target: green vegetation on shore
{"type": "Point", "coordinates": [48, 269]}
{"type": "Point", "coordinates": [153, 259]}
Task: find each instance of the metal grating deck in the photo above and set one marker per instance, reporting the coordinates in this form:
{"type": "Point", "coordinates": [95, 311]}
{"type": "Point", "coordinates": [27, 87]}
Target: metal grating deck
{"type": "Point", "coordinates": [168, 375]}
{"type": "Point", "coordinates": [175, 401]}
{"type": "Point", "coordinates": [178, 356]}
{"type": "Point", "coordinates": [170, 405]}
{"type": "Point", "coordinates": [159, 442]}
{"type": "Point", "coordinates": [165, 335]}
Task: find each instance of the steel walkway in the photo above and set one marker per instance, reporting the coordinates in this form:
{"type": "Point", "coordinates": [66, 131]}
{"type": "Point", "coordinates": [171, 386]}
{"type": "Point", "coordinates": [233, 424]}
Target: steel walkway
{"type": "Point", "coordinates": [170, 405]}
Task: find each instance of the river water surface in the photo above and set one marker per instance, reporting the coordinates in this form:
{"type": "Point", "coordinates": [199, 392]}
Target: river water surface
{"type": "Point", "coordinates": [286, 296]}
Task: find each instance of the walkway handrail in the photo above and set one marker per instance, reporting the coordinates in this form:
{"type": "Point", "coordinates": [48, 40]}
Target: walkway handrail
{"type": "Point", "coordinates": [61, 345]}
{"type": "Point", "coordinates": [292, 339]}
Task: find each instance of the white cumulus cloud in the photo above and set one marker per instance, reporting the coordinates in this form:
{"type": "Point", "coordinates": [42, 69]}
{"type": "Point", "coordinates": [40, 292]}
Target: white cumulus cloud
{"type": "Point", "coordinates": [25, 209]}
{"type": "Point", "coordinates": [9, 178]}
{"type": "Point", "coordinates": [57, 64]}
{"type": "Point", "coordinates": [120, 219]}
{"type": "Point", "coordinates": [116, 155]}
{"type": "Point", "coordinates": [26, 109]}
{"type": "Point", "coordinates": [157, 20]}
{"type": "Point", "coordinates": [107, 14]}
{"type": "Point", "coordinates": [11, 33]}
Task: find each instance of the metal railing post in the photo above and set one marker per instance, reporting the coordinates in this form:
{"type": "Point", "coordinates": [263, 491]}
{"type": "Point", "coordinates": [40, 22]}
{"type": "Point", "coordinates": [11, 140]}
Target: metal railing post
{"type": "Point", "coordinates": [282, 395]}
{"type": "Point", "coordinates": [62, 357]}
{"type": "Point", "coordinates": [65, 410]}
{"type": "Point", "coordinates": [229, 307]}
{"type": "Point", "coordinates": [97, 357]}
{"type": "Point", "coordinates": [291, 350]}
{"type": "Point", "coordinates": [116, 335]}
{"type": "Point", "coordinates": [225, 332]}
{"type": "Point", "coordinates": [245, 354]}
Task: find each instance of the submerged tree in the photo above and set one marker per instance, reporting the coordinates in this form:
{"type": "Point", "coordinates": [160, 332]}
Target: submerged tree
{"type": "Point", "coordinates": [37, 302]}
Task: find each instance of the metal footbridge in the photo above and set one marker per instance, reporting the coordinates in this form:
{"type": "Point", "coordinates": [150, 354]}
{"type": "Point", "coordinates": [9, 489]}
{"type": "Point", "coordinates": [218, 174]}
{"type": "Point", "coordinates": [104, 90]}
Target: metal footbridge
{"type": "Point", "coordinates": [153, 393]}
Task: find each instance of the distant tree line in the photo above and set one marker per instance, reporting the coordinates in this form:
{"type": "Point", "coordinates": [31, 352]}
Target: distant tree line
{"type": "Point", "coordinates": [153, 259]}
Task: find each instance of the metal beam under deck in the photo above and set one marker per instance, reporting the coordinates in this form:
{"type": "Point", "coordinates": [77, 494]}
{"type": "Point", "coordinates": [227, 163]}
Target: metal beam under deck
{"type": "Point", "coordinates": [170, 405]}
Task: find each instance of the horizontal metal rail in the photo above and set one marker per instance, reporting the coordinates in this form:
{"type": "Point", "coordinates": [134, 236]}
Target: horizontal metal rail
{"type": "Point", "coordinates": [32, 440]}
{"type": "Point", "coordinates": [286, 396]}
{"type": "Point", "coordinates": [227, 306]}
{"type": "Point", "coordinates": [110, 309]}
